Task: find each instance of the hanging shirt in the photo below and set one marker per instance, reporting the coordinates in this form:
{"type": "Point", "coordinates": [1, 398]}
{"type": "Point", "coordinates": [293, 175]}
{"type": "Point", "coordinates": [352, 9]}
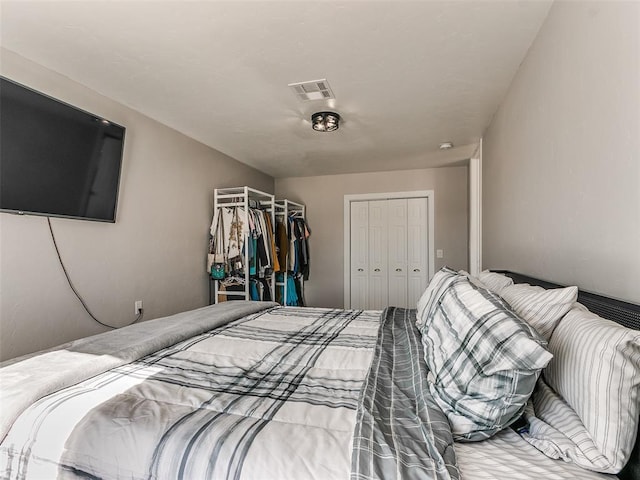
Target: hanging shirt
{"type": "Point", "coordinates": [282, 245]}
{"type": "Point", "coordinates": [235, 228]}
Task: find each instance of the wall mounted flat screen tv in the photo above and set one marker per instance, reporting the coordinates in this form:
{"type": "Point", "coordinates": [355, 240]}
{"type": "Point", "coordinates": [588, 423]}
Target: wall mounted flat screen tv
{"type": "Point", "coordinates": [55, 159]}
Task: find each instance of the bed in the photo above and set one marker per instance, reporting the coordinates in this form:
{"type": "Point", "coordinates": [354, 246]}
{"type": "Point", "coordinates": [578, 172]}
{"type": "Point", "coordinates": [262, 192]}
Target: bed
{"type": "Point", "coordinates": [251, 390]}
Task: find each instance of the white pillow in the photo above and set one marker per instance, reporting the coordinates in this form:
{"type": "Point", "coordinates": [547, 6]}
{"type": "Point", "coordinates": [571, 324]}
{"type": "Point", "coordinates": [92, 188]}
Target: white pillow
{"type": "Point", "coordinates": [540, 307]}
{"type": "Point", "coordinates": [494, 282]}
{"type": "Point", "coordinates": [595, 373]}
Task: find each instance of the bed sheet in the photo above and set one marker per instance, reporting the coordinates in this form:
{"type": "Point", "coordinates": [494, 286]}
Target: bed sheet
{"type": "Point", "coordinates": [507, 456]}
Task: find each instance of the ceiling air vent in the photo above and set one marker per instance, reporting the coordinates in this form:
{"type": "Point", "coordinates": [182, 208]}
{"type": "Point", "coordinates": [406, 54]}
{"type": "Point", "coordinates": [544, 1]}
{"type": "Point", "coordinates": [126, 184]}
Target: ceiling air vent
{"type": "Point", "coordinates": [313, 90]}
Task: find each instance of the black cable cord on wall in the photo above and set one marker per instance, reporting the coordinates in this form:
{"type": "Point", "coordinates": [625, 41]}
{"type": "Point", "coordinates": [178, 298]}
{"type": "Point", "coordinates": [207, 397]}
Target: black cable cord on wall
{"type": "Point", "coordinates": [55, 244]}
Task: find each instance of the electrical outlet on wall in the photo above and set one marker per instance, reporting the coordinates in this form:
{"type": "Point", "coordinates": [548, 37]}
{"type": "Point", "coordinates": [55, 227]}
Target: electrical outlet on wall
{"type": "Point", "coordinates": [138, 307]}
{"type": "Point", "coordinates": [439, 253]}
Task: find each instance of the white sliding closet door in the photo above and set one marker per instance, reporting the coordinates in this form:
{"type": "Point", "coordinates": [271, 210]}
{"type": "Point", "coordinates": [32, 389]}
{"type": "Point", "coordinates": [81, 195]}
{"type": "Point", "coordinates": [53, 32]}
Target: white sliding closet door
{"type": "Point", "coordinates": [417, 248]}
{"type": "Point", "coordinates": [378, 255]}
{"type": "Point", "coordinates": [397, 248]}
{"type": "Point", "coordinates": [359, 253]}
{"type": "Point", "coordinates": [389, 252]}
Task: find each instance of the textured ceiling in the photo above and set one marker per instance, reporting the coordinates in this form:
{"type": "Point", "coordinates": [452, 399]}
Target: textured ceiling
{"type": "Point", "coordinates": [406, 75]}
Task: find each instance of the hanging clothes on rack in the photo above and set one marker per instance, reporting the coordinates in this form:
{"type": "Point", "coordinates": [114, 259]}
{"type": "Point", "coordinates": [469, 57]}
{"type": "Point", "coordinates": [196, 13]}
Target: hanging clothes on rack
{"type": "Point", "coordinates": [282, 245]}
{"type": "Point", "coordinates": [247, 217]}
{"type": "Point", "coordinates": [272, 244]}
{"type": "Point", "coordinates": [253, 232]}
{"type": "Point", "coordinates": [292, 291]}
{"type": "Point", "coordinates": [234, 230]}
{"type": "Point", "coordinates": [299, 246]}
{"type": "Point", "coordinates": [262, 236]}
{"type": "Point", "coordinates": [256, 235]}
{"type": "Point", "coordinates": [292, 252]}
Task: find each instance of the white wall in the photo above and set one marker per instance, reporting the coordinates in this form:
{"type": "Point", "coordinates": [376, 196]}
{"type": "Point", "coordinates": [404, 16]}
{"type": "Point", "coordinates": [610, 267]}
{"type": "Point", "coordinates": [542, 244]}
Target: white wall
{"type": "Point", "coordinates": [155, 251]}
{"type": "Point", "coordinates": [561, 176]}
{"type": "Point", "coordinates": [324, 198]}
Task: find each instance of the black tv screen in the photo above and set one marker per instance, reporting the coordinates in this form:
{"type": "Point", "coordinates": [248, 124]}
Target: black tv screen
{"type": "Point", "coordinates": [55, 159]}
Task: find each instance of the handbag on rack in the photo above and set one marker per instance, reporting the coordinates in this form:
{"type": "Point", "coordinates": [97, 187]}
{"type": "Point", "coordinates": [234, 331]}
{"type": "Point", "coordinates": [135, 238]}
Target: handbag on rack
{"type": "Point", "coordinates": [218, 265]}
{"type": "Point", "coordinates": [218, 271]}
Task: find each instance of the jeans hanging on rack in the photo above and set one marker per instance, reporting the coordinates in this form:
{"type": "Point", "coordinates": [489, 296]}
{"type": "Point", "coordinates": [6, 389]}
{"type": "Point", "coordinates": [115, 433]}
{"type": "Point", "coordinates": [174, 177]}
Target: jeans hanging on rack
{"type": "Point", "coordinates": [253, 242]}
{"type": "Point", "coordinates": [266, 291]}
{"type": "Point", "coordinates": [292, 296]}
{"type": "Point", "coordinates": [293, 299]}
{"type": "Point", "coordinates": [253, 290]}
{"type": "Point", "coordinates": [297, 285]}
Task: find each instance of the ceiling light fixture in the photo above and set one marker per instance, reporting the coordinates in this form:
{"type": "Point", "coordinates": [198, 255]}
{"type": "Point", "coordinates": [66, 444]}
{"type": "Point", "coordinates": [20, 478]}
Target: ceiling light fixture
{"type": "Point", "coordinates": [446, 146]}
{"type": "Point", "coordinates": [325, 121]}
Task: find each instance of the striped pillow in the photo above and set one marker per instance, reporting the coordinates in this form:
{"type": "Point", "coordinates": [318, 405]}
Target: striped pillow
{"type": "Point", "coordinates": [438, 284]}
{"type": "Point", "coordinates": [541, 308]}
{"type": "Point", "coordinates": [589, 413]}
{"type": "Point", "coordinates": [483, 359]}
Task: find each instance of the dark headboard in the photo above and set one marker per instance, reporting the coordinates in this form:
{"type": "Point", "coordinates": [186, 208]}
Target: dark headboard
{"type": "Point", "coordinates": [624, 313]}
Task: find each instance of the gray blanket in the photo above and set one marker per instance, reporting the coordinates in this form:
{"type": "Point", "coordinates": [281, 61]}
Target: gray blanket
{"type": "Point", "coordinates": [400, 431]}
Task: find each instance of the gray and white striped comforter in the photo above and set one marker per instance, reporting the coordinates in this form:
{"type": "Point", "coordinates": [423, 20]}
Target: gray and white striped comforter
{"type": "Point", "coordinates": [274, 394]}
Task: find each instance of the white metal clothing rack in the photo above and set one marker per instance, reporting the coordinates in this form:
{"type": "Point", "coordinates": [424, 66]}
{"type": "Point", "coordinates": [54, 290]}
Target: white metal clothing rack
{"type": "Point", "coordinates": [285, 209]}
{"type": "Point", "coordinates": [241, 197]}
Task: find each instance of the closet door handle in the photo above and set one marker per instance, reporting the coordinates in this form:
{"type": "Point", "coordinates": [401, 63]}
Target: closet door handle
{"type": "Point", "coordinates": [376, 270]}
{"type": "Point", "coordinates": [361, 269]}
{"type": "Point", "coordinates": [416, 269]}
{"type": "Point", "coordinates": [398, 269]}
